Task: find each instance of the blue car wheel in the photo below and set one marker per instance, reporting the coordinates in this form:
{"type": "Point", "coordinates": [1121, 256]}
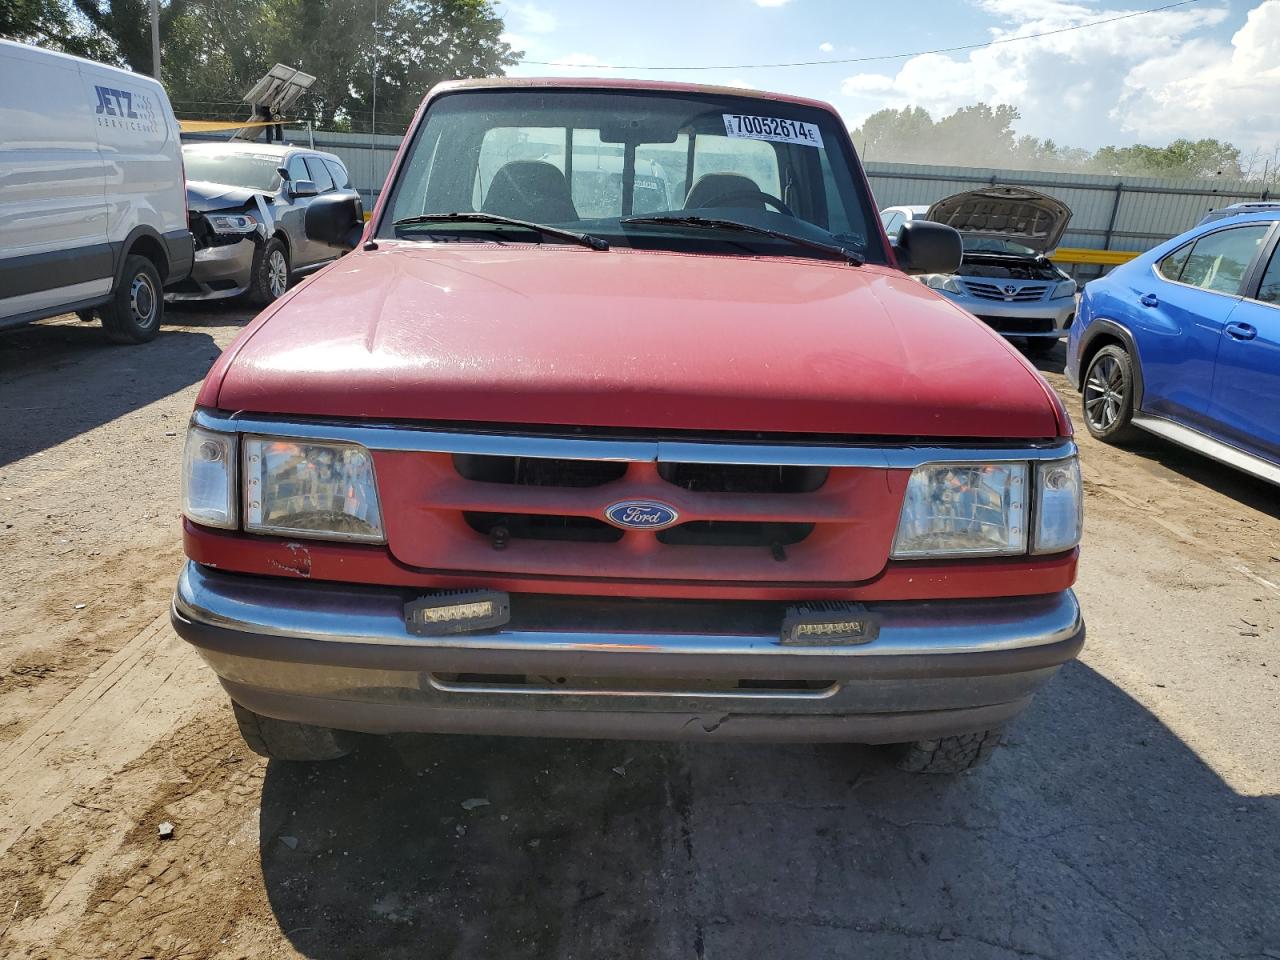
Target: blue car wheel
{"type": "Point", "coordinates": [1107, 396]}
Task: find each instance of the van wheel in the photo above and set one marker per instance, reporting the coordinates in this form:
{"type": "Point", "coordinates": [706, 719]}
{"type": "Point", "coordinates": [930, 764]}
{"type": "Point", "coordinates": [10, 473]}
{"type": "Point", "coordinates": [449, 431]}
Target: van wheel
{"type": "Point", "coordinates": [947, 754]}
{"type": "Point", "coordinates": [270, 277]}
{"type": "Point", "coordinates": [286, 740]}
{"type": "Point", "coordinates": [1107, 396]}
{"type": "Point", "coordinates": [134, 312]}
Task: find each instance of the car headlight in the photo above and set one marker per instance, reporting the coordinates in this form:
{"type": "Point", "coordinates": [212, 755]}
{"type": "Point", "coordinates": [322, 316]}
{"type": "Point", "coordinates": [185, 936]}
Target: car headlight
{"type": "Point", "coordinates": [232, 222]}
{"type": "Point", "coordinates": [1067, 288]}
{"type": "Point", "coordinates": [313, 489]}
{"type": "Point", "coordinates": [942, 281]}
{"type": "Point", "coordinates": [208, 478]}
{"type": "Point", "coordinates": [981, 509]}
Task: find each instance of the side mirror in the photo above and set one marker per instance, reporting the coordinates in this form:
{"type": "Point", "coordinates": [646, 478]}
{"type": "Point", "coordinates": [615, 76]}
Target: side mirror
{"type": "Point", "coordinates": [336, 220]}
{"type": "Point", "coordinates": [926, 247]}
{"type": "Point", "coordinates": [303, 188]}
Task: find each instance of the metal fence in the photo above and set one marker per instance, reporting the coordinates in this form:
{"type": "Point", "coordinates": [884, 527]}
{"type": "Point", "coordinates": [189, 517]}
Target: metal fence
{"type": "Point", "coordinates": [1108, 213]}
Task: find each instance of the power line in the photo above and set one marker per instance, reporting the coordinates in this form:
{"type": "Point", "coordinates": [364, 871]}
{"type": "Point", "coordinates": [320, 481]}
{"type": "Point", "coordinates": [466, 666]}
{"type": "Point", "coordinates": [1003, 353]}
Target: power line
{"type": "Point", "coordinates": [885, 56]}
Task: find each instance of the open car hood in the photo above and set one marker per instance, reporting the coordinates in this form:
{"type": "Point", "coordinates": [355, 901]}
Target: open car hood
{"type": "Point", "coordinates": [1009, 213]}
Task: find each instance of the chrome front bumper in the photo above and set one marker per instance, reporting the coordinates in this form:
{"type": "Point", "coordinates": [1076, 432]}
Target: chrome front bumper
{"type": "Point", "coordinates": [341, 656]}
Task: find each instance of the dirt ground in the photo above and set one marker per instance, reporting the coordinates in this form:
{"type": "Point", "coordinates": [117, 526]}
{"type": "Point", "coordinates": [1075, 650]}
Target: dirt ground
{"type": "Point", "coordinates": [1133, 814]}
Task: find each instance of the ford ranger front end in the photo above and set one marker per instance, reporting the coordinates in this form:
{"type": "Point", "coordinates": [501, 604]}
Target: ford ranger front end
{"type": "Point", "coordinates": [531, 461]}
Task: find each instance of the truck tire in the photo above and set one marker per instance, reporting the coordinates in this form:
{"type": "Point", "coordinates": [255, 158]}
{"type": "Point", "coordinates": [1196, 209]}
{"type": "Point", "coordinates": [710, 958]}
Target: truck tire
{"type": "Point", "coordinates": [286, 740]}
{"type": "Point", "coordinates": [270, 277]}
{"type": "Point", "coordinates": [954, 754]}
{"type": "Point", "coordinates": [136, 307]}
{"type": "Point", "coordinates": [1107, 394]}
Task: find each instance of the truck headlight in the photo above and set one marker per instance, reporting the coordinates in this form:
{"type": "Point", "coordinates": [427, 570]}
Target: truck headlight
{"type": "Point", "coordinates": [232, 222]}
{"type": "Point", "coordinates": [1067, 288]}
{"type": "Point", "coordinates": [209, 478]}
{"type": "Point", "coordinates": [1059, 514]}
{"type": "Point", "coordinates": [302, 488]}
{"type": "Point", "coordinates": [964, 509]}
{"type": "Point", "coordinates": [981, 509]}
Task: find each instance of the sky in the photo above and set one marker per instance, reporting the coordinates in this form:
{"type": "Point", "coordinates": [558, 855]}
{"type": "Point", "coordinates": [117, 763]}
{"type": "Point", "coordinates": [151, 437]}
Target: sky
{"type": "Point", "coordinates": [1208, 68]}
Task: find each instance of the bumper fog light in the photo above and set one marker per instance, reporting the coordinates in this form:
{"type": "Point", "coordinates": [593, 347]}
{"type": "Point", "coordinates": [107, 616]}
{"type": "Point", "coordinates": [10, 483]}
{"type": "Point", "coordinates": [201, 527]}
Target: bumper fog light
{"type": "Point", "coordinates": [457, 611]}
{"type": "Point", "coordinates": [828, 622]}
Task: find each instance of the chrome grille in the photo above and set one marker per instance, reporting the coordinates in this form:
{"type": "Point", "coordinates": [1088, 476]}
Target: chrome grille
{"type": "Point", "coordinates": [996, 291]}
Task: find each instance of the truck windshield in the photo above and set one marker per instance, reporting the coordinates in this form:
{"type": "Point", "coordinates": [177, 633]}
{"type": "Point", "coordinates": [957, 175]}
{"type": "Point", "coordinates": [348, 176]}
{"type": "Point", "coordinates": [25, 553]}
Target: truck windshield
{"type": "Point", "coordinates": [633, 168]}
{"type": "Point", "coordinates": [233, 169]}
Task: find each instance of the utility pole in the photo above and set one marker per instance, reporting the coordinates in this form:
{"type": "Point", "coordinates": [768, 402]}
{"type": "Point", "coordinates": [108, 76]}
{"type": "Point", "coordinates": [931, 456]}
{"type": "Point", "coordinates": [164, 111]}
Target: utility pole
{"type": "Point", "coordinates": [155, 39]}
{"type": "Point", "coordinates": [373, 117]}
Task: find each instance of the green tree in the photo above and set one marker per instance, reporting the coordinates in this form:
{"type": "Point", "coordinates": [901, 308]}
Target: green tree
{"type": "Point", "coordinates": [897, 136]}
{"type": "Point", "coordinates": [214, 50]}
{"type": "Point", "coordinates": [1181, 158]}
{"type": "Point", "coordinates": [50, 23]}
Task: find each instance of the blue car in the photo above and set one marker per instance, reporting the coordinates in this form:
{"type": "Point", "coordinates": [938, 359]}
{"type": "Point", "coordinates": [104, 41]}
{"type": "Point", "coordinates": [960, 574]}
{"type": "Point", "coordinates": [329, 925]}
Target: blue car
{"type": "Point", "coordinates": [1184, 342]}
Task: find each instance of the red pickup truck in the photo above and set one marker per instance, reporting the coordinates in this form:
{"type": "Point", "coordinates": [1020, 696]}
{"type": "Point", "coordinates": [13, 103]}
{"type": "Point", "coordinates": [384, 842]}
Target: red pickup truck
{"type": "Point", "coordinates": [623, 418]}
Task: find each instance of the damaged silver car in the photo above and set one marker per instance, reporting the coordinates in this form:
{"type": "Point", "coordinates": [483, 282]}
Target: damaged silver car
{"type": "Point", "coordinates": [1005, 279]}
{"type": "Point", "coordinates": [246, 203]}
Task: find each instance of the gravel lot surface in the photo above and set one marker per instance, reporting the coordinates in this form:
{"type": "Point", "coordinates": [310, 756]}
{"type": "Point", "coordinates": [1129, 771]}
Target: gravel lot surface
{"type": "Point", "coordinates": [1133, 814]}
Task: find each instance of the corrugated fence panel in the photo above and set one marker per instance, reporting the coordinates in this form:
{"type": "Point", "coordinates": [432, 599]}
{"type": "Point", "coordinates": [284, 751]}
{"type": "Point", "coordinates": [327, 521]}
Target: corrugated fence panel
{"type": "Point", "coordinates": [1110, 213]}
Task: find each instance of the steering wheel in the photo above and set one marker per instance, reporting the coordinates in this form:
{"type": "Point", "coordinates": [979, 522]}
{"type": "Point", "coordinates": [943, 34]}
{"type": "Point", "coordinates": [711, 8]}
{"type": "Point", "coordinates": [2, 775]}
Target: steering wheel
{"type": "Point", "coordinates": [755, 195]}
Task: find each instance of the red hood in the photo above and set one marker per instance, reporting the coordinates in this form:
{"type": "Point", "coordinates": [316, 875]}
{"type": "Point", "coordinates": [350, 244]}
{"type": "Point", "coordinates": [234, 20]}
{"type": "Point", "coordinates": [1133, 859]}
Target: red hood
{"type": "Point", "coordinates": [568, 336]}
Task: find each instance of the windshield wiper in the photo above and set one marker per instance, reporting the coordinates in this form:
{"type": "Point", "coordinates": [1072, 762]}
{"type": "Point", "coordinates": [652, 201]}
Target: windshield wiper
{"type": "Point", "coordinates": [715, 223]}
{"type": "Point", "coordinates": [585, 239]}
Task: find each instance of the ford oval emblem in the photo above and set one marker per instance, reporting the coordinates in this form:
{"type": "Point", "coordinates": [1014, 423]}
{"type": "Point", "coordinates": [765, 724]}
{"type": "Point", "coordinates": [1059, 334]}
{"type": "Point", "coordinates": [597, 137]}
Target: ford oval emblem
{"type": "Point", "coordinates": [641, 515]}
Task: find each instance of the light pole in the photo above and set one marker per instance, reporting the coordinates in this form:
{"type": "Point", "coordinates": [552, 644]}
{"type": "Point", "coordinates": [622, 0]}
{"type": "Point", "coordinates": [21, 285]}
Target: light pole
{"type": "Point", "coordinates": [155, 39]}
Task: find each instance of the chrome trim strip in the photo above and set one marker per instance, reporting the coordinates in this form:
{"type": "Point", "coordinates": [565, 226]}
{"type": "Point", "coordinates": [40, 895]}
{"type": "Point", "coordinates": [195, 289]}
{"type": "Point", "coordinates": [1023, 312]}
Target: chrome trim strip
{"type": "Point", "coordinates": [1207, 446]}
{"type": "Point", "coordinates": [410, 439]}
{"type": "Point", "coordinates": [375, 616]}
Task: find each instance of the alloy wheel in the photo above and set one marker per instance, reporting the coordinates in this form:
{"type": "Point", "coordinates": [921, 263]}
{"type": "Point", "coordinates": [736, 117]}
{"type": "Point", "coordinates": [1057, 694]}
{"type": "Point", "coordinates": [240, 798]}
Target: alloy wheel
{"type": "Point", "coordinates": [1104, 392]}
{"type": "Point", "coordinates": [278, 273]}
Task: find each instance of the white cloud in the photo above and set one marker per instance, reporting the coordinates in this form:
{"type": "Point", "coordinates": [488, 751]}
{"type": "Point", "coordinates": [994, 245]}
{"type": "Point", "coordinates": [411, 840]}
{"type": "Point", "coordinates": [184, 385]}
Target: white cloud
{"type": "Point", "coordinates": [772, 3]}
{"type": "Point", "coordinates": [739, 82]}
{"type": "Point", "coordinates": [531, 18]}
{"type": "Point", "coordinates": [825, 47]}
{"type": "Point", "coordinates": [1205, 88]}
{"type": "Point", "coordinates": [516, 41]}
{"type": "Point", "coordinates": [1066, 86]}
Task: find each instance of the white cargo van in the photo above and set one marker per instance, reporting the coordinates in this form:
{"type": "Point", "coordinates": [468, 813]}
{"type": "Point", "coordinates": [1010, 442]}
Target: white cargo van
{"type": "Point", "coordinates": [92, 196]}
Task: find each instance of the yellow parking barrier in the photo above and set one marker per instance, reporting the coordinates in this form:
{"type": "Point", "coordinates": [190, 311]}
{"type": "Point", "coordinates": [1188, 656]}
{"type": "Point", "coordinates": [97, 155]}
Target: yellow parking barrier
{"type": "Point", "coordinates": [213, 126]}
{"type": "Point", "coordinates": [1109, 258]}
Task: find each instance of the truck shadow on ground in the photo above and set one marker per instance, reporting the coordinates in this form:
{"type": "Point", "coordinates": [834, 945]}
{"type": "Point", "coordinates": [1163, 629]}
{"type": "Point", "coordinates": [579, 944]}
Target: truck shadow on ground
{"type": "Point", "coordinates": [1096, 832]}
{"type": "Point", "coordinates": [59, 380]}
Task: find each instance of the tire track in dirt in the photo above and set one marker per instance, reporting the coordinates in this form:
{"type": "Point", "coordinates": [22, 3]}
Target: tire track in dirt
{"type": "Point", "coordinates": [147, 689]}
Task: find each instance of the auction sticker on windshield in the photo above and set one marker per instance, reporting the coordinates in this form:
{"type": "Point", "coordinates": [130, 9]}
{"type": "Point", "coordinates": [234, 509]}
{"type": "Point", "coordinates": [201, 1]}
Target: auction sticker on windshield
{"type": "Point", "coordinates": [772, 128]}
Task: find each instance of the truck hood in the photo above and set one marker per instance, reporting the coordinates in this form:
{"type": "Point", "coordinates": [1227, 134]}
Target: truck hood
{"type": "Point", "coordinates": [1009, 213]}
{"type": "Point", "coordinates": [203, 196]}
{"type": "Point", "coordinates": [565, 336]}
